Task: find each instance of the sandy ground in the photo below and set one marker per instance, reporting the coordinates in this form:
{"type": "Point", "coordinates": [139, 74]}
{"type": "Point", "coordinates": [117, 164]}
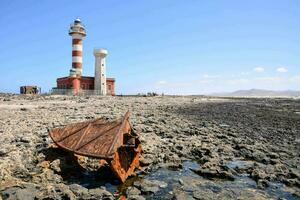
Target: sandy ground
{"type": "Point", "coordinates": [224, 139]}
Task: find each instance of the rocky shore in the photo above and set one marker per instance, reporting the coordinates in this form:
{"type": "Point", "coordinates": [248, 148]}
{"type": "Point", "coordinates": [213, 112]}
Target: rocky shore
{"type": "Point", "coordinates": [193, 148]}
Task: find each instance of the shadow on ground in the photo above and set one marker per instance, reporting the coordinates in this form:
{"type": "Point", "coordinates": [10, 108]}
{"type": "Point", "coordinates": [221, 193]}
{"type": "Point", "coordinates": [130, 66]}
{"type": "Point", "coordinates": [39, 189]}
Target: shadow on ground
{"type": "Point", "coordinates": [67, 166]}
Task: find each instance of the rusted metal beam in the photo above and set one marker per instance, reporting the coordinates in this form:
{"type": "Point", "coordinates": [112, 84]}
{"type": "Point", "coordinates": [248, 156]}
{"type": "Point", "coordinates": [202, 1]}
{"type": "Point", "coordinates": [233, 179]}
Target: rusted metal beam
{"type": "Point", "coordinates": [64, 136]}
{"type": "Point", "coordinates": [126, 116]}
{"type": "Point", "coordinates": [78, 145]}
{"type": "Point", "coordinates": [97, 136]}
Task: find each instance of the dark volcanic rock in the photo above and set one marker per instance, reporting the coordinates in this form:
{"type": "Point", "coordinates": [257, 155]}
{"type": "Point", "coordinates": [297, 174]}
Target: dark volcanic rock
{"type": "Point", "coordinates": [132, 191]}
{"type": "Point", "coordinates": [150, 186]}
{"type": "Point", "coordinates": [99, 193]}
{"type": "Point", "coordinates": [136, 197]}
{"type": "Point", "coordinates": [78, 190]}
{"type": "Point", "coordinates": [214, 174]}
{"type": "Point", "coordinates": [180, 195]}
{"type": "Point", "coordinates": [27, 192]}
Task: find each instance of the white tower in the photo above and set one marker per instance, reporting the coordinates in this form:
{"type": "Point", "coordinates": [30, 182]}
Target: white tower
{"type": "Point", "coordinates": [100, 71]}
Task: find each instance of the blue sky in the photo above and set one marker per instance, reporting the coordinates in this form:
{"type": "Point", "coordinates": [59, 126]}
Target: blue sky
{"type": "Point", "coordinates": [170, 46]}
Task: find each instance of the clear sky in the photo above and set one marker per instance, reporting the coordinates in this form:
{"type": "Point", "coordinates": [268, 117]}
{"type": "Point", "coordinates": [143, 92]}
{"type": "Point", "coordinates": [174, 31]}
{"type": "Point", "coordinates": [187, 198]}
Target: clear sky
{"type": "Point", "coordinates": [170, 46]}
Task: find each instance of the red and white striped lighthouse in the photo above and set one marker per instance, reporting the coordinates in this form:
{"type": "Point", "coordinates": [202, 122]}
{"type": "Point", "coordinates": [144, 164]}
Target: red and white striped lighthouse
{"type": "Point", "coordinates": [77, 31]}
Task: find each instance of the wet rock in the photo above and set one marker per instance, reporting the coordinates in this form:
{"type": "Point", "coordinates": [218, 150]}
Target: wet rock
{"type": "Point", "coordinates": [274, 161]}
{"type": "Point", "coordinates": [98, 193]}
{"type": "Point", "coordinates": [281, 169]}
{"type": "Point", "coordinates": [132, 191]}
{"type": "Point", "coordinates": [10, 193]}
{"type": "Point", "coordinates": [262, 183]}
{"type": "Point", "coordinates": [223, 125]}
{"type": "Point", "coordinates": [78, 190]}
{"type": "Point", "coordinates": [148, 129]}
{"type": "Point", "coordinates": [134, 194]}
{"type": "Point", "coordinates": [4, 151]}
{"type": "Point", "coordinates": [204, 194]}
{"type": "Point", "coordinates": [47, 176]}
{"type": "Point", "coordinates": [269, 169]}
{"type": "Point", "coordinates": [146, 160]}
{"type": "Point", "coordinates": [21, 172]}
{"type": "Point", "coordinates": [180, 181]}
{"type": "Point", "coordinates": [55, 166]}
{"type": "Point", "coordinates": [208, 173]}
{"type": "Point", "coordinates": [181, 195]}
{"type": "Point", "coordinates": [246, 153]}
{"type": "Point", "coordinates": [292, 182]}
{"type": "Point", "coordinates": [150, 186]}
{"type": "Point", "coordinates": [25, 139]}
{"type": "Point", "coordinates": [171, 166]}
{"type": "Point", "coordinates": [197, 153]}
{"type": "Point", "coordinates": [179, 147]}
{"type": "Point", "coordinates": [260, 157]}
{"type": "Point", "coordinates": [239, 146]}
{"type": "Point", "coordinates": [149, 189]}
{"type": "Point", "coordinates": [295, 174]}
{"type": "Point", "coordinates": [204, 159]}
{"type": "Point", "coordinates": [55, 191]}
{"type": "Point", "coordinates": [295, 192]}
{"type": "Point", "coordinates": [258, 174]}
{"type": "Point", "coordinates": [240, 166]}
{"type": "Point", "coordinates": [226, 175]}
{"type": "Point", "coordinates": [136, 197]}
{"type": "Point", "coordinates": [273, 155]}
{"type": "Point", "coordinates": [66, 163]}
{"type": "Point", "coordinates": [24, 192]}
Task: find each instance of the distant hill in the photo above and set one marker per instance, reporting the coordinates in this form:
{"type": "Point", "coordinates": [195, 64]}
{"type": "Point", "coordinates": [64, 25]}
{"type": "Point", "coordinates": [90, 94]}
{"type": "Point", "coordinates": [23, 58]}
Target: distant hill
{"type": "Point", "coordinates": [259, 93]}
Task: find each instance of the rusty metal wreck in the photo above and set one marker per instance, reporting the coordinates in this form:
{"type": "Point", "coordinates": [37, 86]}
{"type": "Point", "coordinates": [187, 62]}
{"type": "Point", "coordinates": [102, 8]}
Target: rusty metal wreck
{"type": "Point", "coordinates": [113, 141]}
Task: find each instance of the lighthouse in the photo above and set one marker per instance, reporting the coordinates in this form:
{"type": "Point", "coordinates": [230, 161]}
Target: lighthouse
{"type": "Point", "coordinates": [76, 83]}
{"type": "Point", "coordinates": [77, 32]}
{"type": "Point", "coordinates": [100, 71]}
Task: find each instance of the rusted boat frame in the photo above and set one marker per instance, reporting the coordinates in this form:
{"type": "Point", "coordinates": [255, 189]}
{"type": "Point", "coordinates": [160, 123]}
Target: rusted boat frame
{"type": "Point", "coordinates": [115, 142]}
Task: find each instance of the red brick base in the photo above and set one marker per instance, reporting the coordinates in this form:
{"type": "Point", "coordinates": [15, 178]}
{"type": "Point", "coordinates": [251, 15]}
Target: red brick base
{"type": "Point", "coordinates": [86, 83]}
